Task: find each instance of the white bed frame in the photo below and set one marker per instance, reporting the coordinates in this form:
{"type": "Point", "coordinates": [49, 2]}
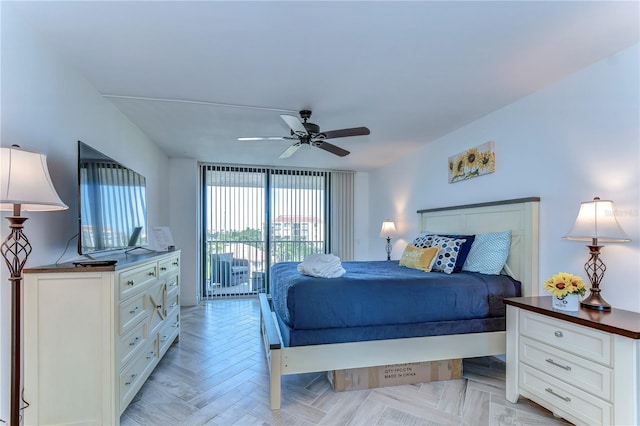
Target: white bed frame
{"type": "Point", "coordinates": [520, 215]}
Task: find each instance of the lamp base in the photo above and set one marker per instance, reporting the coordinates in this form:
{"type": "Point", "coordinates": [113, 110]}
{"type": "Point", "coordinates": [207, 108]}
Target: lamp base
{"type": "Point", "coordinates": [594, 301]}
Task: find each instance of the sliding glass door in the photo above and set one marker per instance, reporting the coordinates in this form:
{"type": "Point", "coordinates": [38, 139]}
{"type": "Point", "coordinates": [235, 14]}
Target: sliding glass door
{"type": "Point", "coordinates": [254, 217]}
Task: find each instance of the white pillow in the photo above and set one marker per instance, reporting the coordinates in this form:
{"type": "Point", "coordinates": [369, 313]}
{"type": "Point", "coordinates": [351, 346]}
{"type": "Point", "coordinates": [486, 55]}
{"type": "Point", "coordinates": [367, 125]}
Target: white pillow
{"type": "Point", "coordinates": [489, 253]}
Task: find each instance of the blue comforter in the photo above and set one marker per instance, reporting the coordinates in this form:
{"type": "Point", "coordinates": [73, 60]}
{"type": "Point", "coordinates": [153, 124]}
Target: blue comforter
{"type": "Point", "coordinates": [380, 293]}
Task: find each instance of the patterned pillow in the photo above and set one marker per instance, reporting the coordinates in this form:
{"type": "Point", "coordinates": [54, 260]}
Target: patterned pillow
{"type": "Point", "coordinates": [488, 253]}
{"type": "Point", "coordinates": [464, 249]}
{"type": "Point", "coordinates": [448, 253]}
{"type": "Point", "coordinates": [423, 240]}
{"type": "Point", "coordinates": [419, 258]}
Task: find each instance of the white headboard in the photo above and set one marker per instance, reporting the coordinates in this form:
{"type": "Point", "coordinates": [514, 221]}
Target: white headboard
{"type": "Point", "coordinates": [519, 215]}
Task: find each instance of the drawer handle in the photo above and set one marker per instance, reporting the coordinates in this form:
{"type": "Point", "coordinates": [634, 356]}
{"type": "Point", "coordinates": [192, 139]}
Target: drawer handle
{"type": "Point", "coordinates": [558, 334]}
{"type": "Point", "coordinates": [163, 268]}
{"type": "Point", "coordinates": [133, 376]}
{"type": "Point", "coordinates": [152, 273]}
{"type": "Point", "coordinates": [134, 310]}
{"type": "Point", "coordinates": [550, 361]}
{"type": "Point", "coordinates": [134, 341]}
{"type": "Point", "coordinates": [130, 282]}
{"type": "Point", "coordinates": [175, 263]}
{"type": "Point", "coordinates": [164, 338]}
{"type": "Point", "coordinates": [151, 354]}
{"type": "Point", "coordinates": [565, 398]}
{"type": "Point", "coordinates": [177, 324]}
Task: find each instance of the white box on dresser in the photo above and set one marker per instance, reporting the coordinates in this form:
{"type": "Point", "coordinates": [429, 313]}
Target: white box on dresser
{"type": "Point", "coordinates": [93, 335]}
{"type": "Point", "coordinates": [583, 366]}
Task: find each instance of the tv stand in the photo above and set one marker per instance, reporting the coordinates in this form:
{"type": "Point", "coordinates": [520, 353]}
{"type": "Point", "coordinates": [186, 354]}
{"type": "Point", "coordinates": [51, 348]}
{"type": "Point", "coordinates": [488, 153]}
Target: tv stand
{"type": "Point", "coordinates": [130, 249]}
{"type": "Point", "coordinates": [94, 335]}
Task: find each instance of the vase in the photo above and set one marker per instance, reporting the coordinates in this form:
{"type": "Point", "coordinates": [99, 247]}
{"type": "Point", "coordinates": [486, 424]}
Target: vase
{"type": "Point", "coordinates": [567, 303]}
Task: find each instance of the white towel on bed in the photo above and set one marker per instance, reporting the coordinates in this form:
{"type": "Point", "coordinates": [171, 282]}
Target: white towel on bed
{"type": "Point", "coordinates": [322, 265]}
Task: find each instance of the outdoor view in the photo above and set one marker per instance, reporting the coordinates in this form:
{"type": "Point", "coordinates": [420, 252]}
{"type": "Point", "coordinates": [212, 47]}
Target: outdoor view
{"type": "Point", "coordinates": [244, 237]}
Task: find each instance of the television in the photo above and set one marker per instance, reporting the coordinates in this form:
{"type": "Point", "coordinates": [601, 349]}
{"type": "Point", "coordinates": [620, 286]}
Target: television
{"type": "Point", "coordinates": [111, 204]}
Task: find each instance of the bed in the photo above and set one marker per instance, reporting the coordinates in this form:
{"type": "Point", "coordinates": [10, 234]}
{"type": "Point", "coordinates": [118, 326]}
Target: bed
{"type": "Point", "coordinates": [298, 345]}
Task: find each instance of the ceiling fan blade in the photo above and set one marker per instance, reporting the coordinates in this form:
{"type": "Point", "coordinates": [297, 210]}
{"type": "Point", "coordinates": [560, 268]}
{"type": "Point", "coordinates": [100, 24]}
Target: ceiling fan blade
{"type": "Point", "coordinates": [290, 151]}
{"type": "Point", "coordinates": [343, 133]}
{"type": "Point", "coordinates": [332, 148]}
{"type": "Point", "coordinates": [295, 124]}
{"type": "Point", "coordinates": [266, 138]}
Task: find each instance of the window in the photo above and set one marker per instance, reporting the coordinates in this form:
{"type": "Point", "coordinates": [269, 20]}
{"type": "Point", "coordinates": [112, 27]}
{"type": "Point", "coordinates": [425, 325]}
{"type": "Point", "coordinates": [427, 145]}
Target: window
{"type": "Point", "coordinates": [255, 217]}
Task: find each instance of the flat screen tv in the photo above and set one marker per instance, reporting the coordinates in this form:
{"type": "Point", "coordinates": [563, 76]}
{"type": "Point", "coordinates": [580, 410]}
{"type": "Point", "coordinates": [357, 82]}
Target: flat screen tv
{"type": "Point", "coordinates": [112, 204]}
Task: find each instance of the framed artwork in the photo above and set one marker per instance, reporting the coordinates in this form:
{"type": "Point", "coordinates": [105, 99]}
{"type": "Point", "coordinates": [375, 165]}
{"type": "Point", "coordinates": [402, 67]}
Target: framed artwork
{"type": "Point", "coordinates": [477, 161]}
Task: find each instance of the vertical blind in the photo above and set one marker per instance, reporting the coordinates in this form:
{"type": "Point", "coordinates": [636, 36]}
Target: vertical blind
{"type": "Point", "coordinates": [266, 215]}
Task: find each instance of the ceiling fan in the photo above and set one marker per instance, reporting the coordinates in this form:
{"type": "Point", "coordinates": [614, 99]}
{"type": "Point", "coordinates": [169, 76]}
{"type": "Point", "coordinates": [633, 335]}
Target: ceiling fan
{"type": "Point", "coordinates": [307, 133]}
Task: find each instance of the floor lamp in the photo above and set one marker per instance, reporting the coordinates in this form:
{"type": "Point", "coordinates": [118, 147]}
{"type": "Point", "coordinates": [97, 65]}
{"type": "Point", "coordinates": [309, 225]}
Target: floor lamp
{"type": "Point", "coordinates": [25, 185]}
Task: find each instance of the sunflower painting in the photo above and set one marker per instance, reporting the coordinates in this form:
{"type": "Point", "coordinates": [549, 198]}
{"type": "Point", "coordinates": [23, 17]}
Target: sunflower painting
{"type": "Point", "coordinates": [474, 162]}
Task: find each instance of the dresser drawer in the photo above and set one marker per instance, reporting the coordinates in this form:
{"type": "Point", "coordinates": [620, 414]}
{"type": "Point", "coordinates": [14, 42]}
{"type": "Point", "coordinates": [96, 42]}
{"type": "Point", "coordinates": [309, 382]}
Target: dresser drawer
{"type": "Point", "coordinates": [131, 344]}
{"type": "Point", "coordinates": [586, 375]}
{"type": "Point", "coordinates": [561, 397]}
{"type": "Point", "coordinates": [170, 265]}
{"type": "Point", "coordinates": [169, 331]}
{"type": "Point", "coordinates": [173, 283]}
{"type": "Point", "coordinates": [134, 280]}
{"type": "Point", "coordinates": [173, 301]}
{"type": "Point", "coordinates": [132, 378]}
{"type": "Point", "coordinates": [131, 312]}
{"type": "Point", "coordinates": [586, 342]}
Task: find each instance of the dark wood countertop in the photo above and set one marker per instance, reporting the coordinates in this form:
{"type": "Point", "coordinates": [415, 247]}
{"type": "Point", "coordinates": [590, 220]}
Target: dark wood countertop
{"type": "Point", "coordinates": [616, 321]}
{"type": "Point", "coordinates": [124, 260]}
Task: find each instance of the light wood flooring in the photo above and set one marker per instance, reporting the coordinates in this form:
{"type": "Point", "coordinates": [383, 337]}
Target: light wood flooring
{"type": "Point", "coordinates": [217, 375]}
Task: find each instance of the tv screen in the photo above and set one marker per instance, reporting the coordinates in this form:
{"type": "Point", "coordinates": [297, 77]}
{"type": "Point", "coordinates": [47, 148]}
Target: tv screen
{"type": "Point", "coordinates": [112, 204]}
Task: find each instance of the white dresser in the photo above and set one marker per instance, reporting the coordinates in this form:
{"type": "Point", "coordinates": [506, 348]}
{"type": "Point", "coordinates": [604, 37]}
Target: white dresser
{"type": "Point", "coordinates": [582, 366]}
{"type": "Point", "coordinates": [93, 335]}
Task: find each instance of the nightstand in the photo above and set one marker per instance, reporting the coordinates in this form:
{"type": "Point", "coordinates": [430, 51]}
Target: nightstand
{"type": "Point", "coordinates": [583, 366]}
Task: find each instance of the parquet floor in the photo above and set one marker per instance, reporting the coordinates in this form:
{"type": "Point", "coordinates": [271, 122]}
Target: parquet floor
{"type": "Point", "coordinates": [217, 375]}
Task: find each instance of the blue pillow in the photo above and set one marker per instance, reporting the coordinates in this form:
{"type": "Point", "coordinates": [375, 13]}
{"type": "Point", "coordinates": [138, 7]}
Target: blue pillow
{"type": "Point", "coordinates": [489, 253]}
{"type": "Point", "coordinates": [426, 238]}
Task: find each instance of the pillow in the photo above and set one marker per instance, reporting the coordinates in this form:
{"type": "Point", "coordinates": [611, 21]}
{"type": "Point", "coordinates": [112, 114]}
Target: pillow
{"type": "Point", "coordinates": [488, 253]}
{"type": "Point", "coordinates": [464, 248]}
{"type": "Point", "coordinates": [419, 258]}
{"type": "Point", "coordinates": [425, 239]}
{"type": "Point", "coordinates": [447, 254]}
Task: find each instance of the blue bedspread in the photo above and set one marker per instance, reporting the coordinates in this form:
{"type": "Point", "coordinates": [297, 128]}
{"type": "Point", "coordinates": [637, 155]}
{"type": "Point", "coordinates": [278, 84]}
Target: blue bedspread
{"type": "Point", "coordinates": [383, 293]}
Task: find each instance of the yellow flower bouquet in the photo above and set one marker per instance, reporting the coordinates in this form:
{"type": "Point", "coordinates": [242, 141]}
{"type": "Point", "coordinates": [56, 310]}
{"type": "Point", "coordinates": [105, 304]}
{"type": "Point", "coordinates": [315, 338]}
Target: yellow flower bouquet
{"type": "Point", "coordinates": [563, 283]}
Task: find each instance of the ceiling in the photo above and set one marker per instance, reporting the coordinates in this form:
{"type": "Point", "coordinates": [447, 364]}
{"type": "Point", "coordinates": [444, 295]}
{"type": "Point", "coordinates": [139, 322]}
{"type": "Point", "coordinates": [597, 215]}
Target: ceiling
{"type": "Point", "coordinates": [195, 76]}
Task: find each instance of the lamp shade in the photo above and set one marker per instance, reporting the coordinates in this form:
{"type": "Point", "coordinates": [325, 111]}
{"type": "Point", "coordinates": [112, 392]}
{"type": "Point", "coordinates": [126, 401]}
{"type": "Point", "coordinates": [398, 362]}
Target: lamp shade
{"type": "Point", "coordinates": [25, 180]}
{"type": "Point", "coordinates": [597, 219]}
{"type": "Point", "coordinates": [388, 229]}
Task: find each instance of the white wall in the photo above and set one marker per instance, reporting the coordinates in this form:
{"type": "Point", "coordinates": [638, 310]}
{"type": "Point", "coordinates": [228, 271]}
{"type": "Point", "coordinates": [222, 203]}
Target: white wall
{"type": "Point", "coordinates": [574, 140]}
{"type": "Point", "coordinates": [184, 224]}
{"type": "Point", "coordinates": [47, 107]}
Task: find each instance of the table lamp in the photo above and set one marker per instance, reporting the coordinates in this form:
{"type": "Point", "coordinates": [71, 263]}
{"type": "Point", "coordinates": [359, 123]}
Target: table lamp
{"type": "Point", "coordinates": [388, 230]}
{"type": "Point", "coordinates": [596, 222]}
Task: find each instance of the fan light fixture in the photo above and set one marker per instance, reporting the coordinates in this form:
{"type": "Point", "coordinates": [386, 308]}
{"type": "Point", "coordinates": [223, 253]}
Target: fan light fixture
{"type": "Point", "coordinates": [596, 222]}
